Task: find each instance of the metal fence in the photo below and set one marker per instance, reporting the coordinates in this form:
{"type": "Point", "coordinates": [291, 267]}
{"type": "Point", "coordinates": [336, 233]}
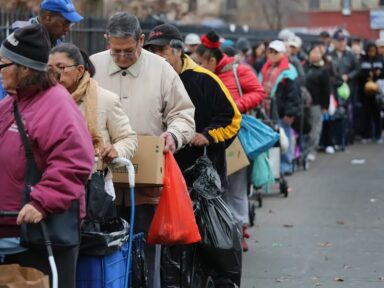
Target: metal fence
{"type": "Point", "coordinates": [89, 33]}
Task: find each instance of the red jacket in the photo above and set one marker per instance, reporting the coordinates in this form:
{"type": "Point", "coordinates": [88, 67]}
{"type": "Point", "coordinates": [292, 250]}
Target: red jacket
{"type": "Point", "coordinates": [62, 149]}
{"type": "Point", "coordinates": [253, 92]}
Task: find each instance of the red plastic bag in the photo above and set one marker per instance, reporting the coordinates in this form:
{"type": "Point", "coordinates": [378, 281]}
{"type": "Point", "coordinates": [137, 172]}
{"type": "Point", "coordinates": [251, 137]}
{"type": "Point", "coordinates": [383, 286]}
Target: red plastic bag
{"type": "Point", "coordinates": [174, 221]}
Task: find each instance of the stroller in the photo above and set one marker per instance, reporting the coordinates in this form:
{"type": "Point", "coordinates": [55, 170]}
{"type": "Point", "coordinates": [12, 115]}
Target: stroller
{"type": "Point", "coordinates": [108, 243]}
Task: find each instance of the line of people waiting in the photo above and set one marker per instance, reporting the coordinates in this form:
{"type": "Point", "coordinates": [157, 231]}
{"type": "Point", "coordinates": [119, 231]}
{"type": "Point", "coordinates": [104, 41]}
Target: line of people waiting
{"type": "Point", "coordinates": [193, 100]}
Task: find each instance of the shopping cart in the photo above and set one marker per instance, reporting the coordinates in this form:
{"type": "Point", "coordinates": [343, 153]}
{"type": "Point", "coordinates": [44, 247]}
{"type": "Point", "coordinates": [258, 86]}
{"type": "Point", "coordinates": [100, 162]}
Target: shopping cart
{"type": "Point", "coordinates": [270, 118]}
{"type": "Point", "coordinates": [113, 270]}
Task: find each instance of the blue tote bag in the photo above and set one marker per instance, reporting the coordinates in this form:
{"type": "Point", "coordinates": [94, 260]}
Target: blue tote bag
{"type": "Point", "coordinates": [256, 137]}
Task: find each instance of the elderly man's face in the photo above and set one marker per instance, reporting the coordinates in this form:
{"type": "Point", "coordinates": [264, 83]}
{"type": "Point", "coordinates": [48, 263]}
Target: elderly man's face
{"type": "Point", "coordinates": [125, 51]}
{"type": "Point", "coordinates": [56, 24]}
{"type": "Point", "coordinates": [340, 45]}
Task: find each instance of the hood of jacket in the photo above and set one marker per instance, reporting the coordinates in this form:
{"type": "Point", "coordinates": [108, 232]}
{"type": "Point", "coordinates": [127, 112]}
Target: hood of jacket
{"type": "Point", "coordinates": [225, 64]}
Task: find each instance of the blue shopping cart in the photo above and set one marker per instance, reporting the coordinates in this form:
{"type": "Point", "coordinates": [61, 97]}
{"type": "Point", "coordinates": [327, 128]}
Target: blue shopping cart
{"type": "Point", "coordinates": [113, 270]}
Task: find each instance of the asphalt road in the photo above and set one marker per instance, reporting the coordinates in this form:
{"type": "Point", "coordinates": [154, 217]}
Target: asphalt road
{"type": "Point", "coordinates": [329, 232]}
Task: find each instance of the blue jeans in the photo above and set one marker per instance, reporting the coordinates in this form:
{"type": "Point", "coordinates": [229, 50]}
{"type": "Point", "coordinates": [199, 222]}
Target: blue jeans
{"type": "Point", "coordinates": [286, 158]}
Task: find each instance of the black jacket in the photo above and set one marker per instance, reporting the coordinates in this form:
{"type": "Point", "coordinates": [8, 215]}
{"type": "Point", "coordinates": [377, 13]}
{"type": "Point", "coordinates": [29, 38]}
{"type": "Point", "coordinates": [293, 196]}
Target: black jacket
{"type": "Point", "coordinates": [288, 97]}
{"type": "Point", "coordinates": [318, 84]}
{"type": "Point", "coordinates": [370, 68]}
{"type": "Point", "coordinates": [346, 64]}
{"type": "Point", "coordinates": [216, 116]}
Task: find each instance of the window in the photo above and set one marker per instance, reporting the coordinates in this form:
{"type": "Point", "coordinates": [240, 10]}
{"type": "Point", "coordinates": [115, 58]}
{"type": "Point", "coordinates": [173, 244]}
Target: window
{"type": "Point", "coordinates": [314, 4]}
{"type": "Point", "coordinates": [346, 4]}
{"type": "Point", "coordinates": [346, 7]}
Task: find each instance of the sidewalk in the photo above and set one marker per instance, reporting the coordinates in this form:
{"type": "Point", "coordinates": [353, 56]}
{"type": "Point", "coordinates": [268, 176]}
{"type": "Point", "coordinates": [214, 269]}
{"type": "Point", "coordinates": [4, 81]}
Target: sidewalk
{"type": "Point", "coordinates": [328, 232]}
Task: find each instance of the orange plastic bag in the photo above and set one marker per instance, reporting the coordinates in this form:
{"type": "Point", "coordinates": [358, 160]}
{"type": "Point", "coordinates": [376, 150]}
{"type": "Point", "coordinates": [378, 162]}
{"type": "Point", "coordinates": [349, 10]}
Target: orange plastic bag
{"type": "Point", "coordinates": [174, 221]}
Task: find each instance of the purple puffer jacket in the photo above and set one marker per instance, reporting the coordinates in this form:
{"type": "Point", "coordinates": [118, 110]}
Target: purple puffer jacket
{"type": "Point", "coordinates": [61, 146]}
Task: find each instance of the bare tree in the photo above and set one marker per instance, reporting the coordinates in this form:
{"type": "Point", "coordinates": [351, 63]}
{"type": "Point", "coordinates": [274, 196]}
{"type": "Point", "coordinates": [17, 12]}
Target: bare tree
{"type": "Point", "coordinates": [276, 12]}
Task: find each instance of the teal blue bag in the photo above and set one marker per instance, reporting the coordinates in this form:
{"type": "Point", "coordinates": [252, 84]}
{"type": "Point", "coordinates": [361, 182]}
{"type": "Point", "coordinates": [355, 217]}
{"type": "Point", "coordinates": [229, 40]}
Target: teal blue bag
{"type": "Point", "coordinates": [256, 137]}
{"type": "Point", "coordinates": [261, 174]}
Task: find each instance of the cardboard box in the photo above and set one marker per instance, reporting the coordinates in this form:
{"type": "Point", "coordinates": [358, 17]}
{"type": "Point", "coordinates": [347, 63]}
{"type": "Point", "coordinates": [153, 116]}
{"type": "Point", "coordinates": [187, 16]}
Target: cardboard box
{"type": "Point", "coordinates": [236, 157]}
{"type": "Point", "coordinates": [148, 162]}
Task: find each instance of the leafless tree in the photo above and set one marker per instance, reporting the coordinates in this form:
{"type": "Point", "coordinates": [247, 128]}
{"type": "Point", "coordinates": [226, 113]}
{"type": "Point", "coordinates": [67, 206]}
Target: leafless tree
{"type": "Point", "coordinates": [275, 12]}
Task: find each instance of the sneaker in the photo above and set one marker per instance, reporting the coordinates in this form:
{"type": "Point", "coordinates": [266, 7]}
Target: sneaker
{"type": "Point", "coordinates": [379, 141]}
{"type": "Point", "coordinates": [311, 157]}
{"type": "Point", "coordinates": [244, 245]}
{"type": "Point", "coordinates": [330, 150]}
{"type": "Point", "coordinates": [365, 141]}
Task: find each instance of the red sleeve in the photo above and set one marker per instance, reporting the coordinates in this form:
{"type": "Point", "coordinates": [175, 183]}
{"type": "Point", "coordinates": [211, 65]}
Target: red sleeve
{"type": "Point", "coordinates": [253, 91]}
{"type": "Point", "coordinates": [65, 145]}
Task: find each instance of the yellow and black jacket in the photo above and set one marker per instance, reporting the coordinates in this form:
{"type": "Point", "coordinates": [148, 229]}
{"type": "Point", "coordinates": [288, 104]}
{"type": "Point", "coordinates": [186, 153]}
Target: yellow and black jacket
{"type": "Point", "coordinates": [216, 116]}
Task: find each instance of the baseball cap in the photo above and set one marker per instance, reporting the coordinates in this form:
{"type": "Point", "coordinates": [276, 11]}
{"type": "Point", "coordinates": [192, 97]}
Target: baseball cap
{"type": "Point", "coordinates": [63, 7]}
{"type": "Point", "coordinates": [163, 34]}
{"type": "Point", "coordinates": [295, 41]}
{"type": "Point", "coordinates": [324, 34]}
{"type": "Point", "coordinates": [192, 39]}
{"type": "Point", "coordinates": [339, 35]}
{"type": "Point", "coordinates": [278, 46]}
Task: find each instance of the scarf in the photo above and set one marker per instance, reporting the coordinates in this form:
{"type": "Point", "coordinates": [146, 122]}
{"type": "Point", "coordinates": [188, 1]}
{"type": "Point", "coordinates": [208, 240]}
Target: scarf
{"type": "Point", "coordinates": [271, 73]}
{"type": "Point", "coordinates": [86, 92]}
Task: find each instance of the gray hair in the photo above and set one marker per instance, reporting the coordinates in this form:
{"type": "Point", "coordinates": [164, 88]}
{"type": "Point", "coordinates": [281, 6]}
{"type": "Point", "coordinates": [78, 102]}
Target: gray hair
{"type": "Point", "coordinates": [123, 24]}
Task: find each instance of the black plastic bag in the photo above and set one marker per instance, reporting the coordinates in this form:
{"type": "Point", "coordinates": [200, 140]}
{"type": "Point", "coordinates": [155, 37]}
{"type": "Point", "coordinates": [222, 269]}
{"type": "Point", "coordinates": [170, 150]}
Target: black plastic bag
{"type": "Point", "coordinates": [139, 277]}
{"type": "Point", "coordinates": [215, 223]}
{"type": "Point", "coordinates": [203, 178]}
{"type": "Point", "coordinates": [99, 204]}
{"type": "Point", "coordinates": [176, 265]}
{"type": "Point", "coordinates": [220, 238]}
{"type": "Point", "coordinates": [102, 233]}
{"type": "Point", "coordinates": [227, 263]}
{"type": "Point", "coordinates": [220, 244]}
{"type": "Point", "coordinates": [112, 234]}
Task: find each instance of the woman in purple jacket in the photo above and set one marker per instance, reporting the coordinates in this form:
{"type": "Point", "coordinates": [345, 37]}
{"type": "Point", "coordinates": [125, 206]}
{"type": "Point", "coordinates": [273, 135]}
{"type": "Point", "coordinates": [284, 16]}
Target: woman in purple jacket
{"type": "Point", "coordinates": [60, 142]}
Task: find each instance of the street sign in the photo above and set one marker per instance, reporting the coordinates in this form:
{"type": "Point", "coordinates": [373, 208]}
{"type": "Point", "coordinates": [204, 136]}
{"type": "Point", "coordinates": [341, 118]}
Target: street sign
{"type": "Point", "coordinates": [377, 19]}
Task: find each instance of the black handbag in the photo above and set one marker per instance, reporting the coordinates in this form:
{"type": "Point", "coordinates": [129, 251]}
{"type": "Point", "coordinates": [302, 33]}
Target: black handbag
{"type": "Point", "coordinates": [64, 228]}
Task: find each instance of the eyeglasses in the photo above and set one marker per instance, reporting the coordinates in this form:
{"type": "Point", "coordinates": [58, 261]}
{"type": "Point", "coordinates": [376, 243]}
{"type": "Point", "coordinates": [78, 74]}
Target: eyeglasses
{"type": "Point", "coordinates": [5, 65]}
{"type": "Point", "coordinates": [61, 68]}
{"type": "Point", "coordinates": [126, 54]}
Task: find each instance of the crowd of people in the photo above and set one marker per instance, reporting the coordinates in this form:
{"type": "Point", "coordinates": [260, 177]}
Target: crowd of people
{"type": "Point", "coordinates": [191, 91]}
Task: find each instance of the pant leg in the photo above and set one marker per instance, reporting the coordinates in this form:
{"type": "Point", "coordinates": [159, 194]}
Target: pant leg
{"type": "Point", "coordinates": [65, 258]}
{"type": "Point", "coordinates": [367, 134]}
{"type": "Point", "coordinates": [376, 115]}
{"type": "Point", "coordinates": [236, 195]}
{"type": "Point", "coordinates": [143, 220]}
{"type": "Point", "coordinates": [287, 157]}
{"type": "Point", "coordinates": [316, 126]}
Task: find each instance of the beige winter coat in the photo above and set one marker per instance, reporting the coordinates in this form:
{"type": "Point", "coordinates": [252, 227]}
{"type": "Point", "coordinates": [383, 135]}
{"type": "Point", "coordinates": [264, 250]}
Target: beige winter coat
{"type": "Point", "coordinates": [153, 97]}
{"type": "Point", "coordinates": [113, 124]}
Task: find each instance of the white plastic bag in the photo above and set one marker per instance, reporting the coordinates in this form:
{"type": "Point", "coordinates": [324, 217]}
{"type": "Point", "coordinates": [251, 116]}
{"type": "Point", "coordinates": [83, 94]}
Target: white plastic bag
{"type": "Point", "coordinates": [284, 142]}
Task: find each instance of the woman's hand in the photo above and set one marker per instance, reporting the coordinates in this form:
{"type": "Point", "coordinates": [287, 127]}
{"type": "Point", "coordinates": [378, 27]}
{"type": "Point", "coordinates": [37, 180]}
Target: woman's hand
{"type": "Point", "coordinates": [108, 153]}
{"type": "Point", "coordinates": [29, 214]}
{"type": "Point", "coordinates": [199, 140]}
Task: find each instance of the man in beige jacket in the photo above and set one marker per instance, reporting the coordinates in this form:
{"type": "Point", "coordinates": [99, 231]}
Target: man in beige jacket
{"type": "Point", "coordinates": [155, 101]}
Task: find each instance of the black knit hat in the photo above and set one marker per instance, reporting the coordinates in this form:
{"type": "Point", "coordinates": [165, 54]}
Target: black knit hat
{"type": "Point", "coordinates": [163, 34]}
{"type": "Point", "coordinates": [28, 46]}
